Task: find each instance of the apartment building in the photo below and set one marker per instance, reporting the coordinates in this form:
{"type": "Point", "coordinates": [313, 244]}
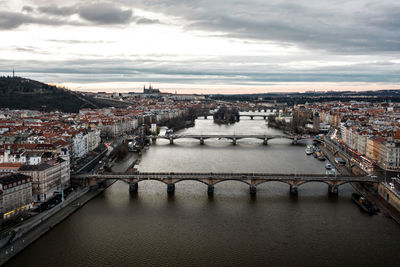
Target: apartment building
{"type": "Point", "coordinates": [15, 195]}
{"type": "Point", "coordinates": [47, 178]}
{"type": "Point", "coordinates": [390, 154]}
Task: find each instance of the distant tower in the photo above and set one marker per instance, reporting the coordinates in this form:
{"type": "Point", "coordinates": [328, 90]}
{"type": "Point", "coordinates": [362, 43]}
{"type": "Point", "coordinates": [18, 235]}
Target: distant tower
{"type": "Point", "coordinates": [13, 73]}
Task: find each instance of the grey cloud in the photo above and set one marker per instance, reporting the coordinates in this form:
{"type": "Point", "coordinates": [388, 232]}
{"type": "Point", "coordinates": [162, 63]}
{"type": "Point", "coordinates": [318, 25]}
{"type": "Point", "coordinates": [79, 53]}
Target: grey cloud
{"type": "Point", "coordinates": [59, 11]}
{"type": "Point", "coordinates": [27, 9]}
{"type": "Point", "coordinates": [105, 13]}
{"type": "Point", "coordinates": [386, 17]}
{"type": "Point", "coordinates": [98, 13]}
{"type": "Point", "coordinates": [119, 69]}
{"type": "Point", "coordinates": [147, 21]}
{"type": "Point", "coordinates": [12, 20]}
{"type": "Point", "coordinates": [347, 27]}
{"type": "Point", "coordinates": [92, 13]}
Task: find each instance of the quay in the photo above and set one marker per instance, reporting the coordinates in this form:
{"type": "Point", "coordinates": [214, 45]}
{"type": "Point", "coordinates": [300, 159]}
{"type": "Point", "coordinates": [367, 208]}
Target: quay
{"type": "Point", "coordinates": [381, 195]}
{"type": "Point", "coordinates": [37, 226]}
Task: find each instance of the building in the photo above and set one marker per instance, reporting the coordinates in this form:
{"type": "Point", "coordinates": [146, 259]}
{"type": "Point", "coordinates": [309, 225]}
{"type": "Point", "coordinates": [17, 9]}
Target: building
{"type": "Point", "coordinates": [390, 154]}
{"type": "Point", "coordinates": [48, 178]}
{"type": "Point", "coordinates": [15, 195]}
{"type": "Point", "coordinates": [12, 157]}
{"type": "Point", "coordinates": [362, 142]}
{"type": "Point", "coordinates": [79, 146]}
{"type": "Point", "coordinates": [316, 122]}
{"type": "Point", "coordinates": [9, 167]}
{"type": "Point", "coordinates": [150, 90]}
{"type": "Point", "coordinates": [374, 147]}
{"type": "Point", "coordinates": [93, 139]}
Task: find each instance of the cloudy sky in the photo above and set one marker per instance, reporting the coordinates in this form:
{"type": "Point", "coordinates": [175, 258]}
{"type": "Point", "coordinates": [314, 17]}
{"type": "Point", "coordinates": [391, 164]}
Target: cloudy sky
{"type": "Point", "coordinates": [204, 46]}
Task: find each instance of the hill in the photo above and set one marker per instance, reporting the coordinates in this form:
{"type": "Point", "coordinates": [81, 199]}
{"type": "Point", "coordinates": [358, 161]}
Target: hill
{"type": "Point", "coordinates": [22, 93]}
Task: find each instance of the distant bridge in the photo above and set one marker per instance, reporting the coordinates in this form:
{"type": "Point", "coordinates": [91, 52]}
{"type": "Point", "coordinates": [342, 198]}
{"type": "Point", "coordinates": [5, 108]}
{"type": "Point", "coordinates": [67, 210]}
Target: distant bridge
{"type": "Point", "coordinates": [211, 179]}
{"type": "Point", "coordinates": [232, 137]}
{"type": "Point", "coordinates": [250, 115]}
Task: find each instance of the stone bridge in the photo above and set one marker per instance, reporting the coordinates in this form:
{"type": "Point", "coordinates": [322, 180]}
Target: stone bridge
{"type": "Point", "coordinates": [232, 137]}
{"type": "Point", "coordinates": [250, 115]}
{"type": "Point", "coordinates": [211, 179]}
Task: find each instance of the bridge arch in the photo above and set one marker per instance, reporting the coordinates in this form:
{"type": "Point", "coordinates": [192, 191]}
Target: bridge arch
{"type": "Point", "coordinates": [280, 181]}
{"type": "Point", "coordinates": [327, 182]}
{"type": "Point", "coordinates": [152, 179]}
{"type": "Point", "coordinates": [231, 179]}
{"type": "Point", "coordinates": [195, 180]}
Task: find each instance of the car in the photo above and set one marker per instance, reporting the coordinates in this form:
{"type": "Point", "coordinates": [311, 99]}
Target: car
{"type": "Point", "coordinates": [340, 161]}
{"type": "Point", "coordinates": [391, 185]}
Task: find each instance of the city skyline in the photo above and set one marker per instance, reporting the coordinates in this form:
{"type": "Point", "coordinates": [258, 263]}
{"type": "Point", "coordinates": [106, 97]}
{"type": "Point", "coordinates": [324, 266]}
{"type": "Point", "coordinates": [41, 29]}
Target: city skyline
{"type": "Point", "coordinates": [203, 46]}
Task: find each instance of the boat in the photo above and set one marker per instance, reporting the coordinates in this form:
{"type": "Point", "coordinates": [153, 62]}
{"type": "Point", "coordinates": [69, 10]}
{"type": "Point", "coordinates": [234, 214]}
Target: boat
{"type": "Point", "coordinates": [320, 156]}
{"type": "Point", "coordinates": [309, 150]}
{"type": "Point", "coordinates": [363, 203]}
{"type": "Point", "coordinates": [316, 148]}
{"type": "Point", "coordinates": [328, 166]}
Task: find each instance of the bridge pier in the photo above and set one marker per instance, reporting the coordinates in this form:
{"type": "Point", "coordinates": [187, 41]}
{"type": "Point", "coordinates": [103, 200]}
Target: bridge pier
{"type": "Point", "coordinates": [293, 190]}
{"type": "Point", "coordinates": [171, 141]}
{"type": "Point", "coordinates": [333, 189]}
{"type": "Point", "coordinates": [210, 189]}
{"type": "Point", "coordinates": [265, 141]}
{"type": "Point", "coordinates": [201, 141]}
{"type": "Point", "coordinates": [133, 187]}
{"type": "Point", "coordinates": [253, 190]}
{"type": "Point", "coordinates": [170, 188]}
{"type": "Point", "coordinates": [234, 141]}
{"type": "Point", "coordinates": [251, 117]}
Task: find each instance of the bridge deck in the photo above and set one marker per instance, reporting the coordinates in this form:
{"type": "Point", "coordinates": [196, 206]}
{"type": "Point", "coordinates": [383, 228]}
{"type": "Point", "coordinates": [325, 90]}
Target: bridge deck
{"type": "Point", "coordinates": [230, 136]}
{"type": "Point", "coordinates": [227, 176]}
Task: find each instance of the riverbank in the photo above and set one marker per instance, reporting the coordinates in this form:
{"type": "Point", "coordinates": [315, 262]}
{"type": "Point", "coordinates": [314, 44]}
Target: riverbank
{"type": "Point", "coordinates": [36, 227]}
{"type": "Point", "coordinates": [370, 193]}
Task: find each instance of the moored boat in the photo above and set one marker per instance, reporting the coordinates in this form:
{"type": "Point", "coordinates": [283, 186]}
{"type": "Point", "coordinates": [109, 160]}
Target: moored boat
{"type": "Point", "coordinates": [309, 150]}
{"type": "Point", "coordinates": [321, 156]}
{"type": "Point", "coordinates": [363, 203]}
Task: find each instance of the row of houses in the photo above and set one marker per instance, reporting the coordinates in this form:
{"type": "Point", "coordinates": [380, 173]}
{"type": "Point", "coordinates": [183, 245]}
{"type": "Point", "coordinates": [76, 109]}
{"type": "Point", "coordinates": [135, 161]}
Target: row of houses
{"type": "Point", "coordinates": [372, 130]}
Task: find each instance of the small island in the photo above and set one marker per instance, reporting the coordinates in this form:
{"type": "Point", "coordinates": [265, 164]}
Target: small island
{"type": "Point", "coordinates": [226, 115]}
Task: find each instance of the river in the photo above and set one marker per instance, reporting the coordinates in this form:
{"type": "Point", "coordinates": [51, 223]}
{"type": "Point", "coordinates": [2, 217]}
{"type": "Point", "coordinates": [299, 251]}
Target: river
{"type": "Point", "coordinates": [230, 228]}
